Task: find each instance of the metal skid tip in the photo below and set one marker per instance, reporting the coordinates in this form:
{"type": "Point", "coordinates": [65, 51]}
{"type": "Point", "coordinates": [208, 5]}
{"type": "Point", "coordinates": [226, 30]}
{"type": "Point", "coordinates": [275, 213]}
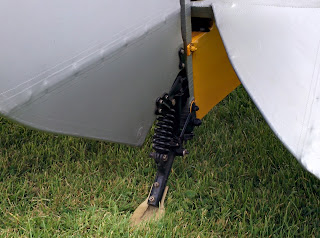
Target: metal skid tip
{"type": "Point", "coordinates": [147, 213]}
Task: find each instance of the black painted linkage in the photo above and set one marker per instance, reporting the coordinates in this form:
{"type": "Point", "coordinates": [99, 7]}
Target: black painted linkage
{"type": "Point", "coordinates": [175, 123]}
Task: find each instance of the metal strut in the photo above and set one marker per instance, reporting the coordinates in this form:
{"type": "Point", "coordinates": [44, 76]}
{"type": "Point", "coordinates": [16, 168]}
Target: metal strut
{"type": "Point", "coordinates": [175, 123]}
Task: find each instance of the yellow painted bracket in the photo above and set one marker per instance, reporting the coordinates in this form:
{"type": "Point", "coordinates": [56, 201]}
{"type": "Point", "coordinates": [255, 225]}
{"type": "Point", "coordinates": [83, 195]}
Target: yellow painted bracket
{"type": "Point", "coordinates": [213, 75]}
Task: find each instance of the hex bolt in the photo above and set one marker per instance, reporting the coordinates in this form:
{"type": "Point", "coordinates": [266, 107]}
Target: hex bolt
{"type": "Point", "coordinates": [165, 157]}
{"type": "Point", "coordinates": [195, 108]}
{"type": "Point", "coordinates": [151, 199]}
{"type": "Point", "coordinates": [197, 122]}
{"type": "Point", "coordinates": [156, 184]}
{"type": "Point", "coordinates": [185, 152]}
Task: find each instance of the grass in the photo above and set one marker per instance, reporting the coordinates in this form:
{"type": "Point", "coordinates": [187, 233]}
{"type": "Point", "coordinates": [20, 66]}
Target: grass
{"type": "Point", "coordinates": [238, 180]}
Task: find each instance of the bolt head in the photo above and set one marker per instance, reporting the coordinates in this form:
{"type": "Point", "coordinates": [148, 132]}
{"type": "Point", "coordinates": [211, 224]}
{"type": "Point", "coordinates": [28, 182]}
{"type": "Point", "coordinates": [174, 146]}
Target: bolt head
{"type": "Point", "coordinates": [185, 152]}
{"type": "Point", "coordinates": [173, 101]}
{"type": "Point", "coordinates": [151, 199]}
{"type": "Point", "coordinates": [165, 157]}
{"type": "Point", "coordinates": [156, 184]}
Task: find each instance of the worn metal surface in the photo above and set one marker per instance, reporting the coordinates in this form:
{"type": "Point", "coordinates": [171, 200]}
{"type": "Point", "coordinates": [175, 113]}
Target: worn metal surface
{"type": "Point", "coordinates": [89, 69]}
{"type": "Point", "coordinates": [275, 49]}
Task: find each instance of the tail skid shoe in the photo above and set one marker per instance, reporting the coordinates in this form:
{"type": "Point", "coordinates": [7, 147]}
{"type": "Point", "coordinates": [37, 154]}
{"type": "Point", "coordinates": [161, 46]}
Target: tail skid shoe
{"type": "Point", "coordinates": [147, 213]}
{"type": "Point", "coordinates": [175, 123]}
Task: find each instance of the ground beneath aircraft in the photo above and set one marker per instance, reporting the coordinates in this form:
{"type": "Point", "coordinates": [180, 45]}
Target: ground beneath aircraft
{"type": "Point", "coordinates": [237, 181]}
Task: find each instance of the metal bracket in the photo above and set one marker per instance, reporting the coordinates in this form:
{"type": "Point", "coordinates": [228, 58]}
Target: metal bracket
{"type": "Point", "coordinates": [175, 123]}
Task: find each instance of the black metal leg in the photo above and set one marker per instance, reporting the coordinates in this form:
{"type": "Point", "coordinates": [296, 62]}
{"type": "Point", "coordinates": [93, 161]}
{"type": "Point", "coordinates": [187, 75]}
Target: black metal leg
{"type": "Point", "coordinates": [176, 121]}
{"type": "Point", "coordinates": [161, 178]}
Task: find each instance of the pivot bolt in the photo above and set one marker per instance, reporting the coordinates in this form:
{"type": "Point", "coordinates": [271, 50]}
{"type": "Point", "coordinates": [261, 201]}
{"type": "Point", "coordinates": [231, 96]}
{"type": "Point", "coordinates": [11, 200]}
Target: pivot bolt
{"type": "Point", "coordinates": [165, 157]}
{"type": "Point", "coordinates": [156, 184]}
{"type": "Point", "coordinates": [197, 122]}
{"type": "Point", "coordinates": [151, 199]}
{"type": "Point", "coordinates": [195, 107]}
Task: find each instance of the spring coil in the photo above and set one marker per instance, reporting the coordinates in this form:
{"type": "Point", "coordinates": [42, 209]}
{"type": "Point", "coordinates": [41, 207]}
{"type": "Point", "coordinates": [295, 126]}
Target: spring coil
{"type": "Point", "coordinates": [163, 135]}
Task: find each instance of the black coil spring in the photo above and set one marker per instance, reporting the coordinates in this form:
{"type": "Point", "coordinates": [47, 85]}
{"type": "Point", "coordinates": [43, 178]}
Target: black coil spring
{"type": "Point", "coordinates": [164, 132]}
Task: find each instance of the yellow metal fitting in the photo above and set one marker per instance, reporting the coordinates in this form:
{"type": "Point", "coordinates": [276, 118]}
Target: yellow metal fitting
{"type": "Point", "coordinates": [191, 48]}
